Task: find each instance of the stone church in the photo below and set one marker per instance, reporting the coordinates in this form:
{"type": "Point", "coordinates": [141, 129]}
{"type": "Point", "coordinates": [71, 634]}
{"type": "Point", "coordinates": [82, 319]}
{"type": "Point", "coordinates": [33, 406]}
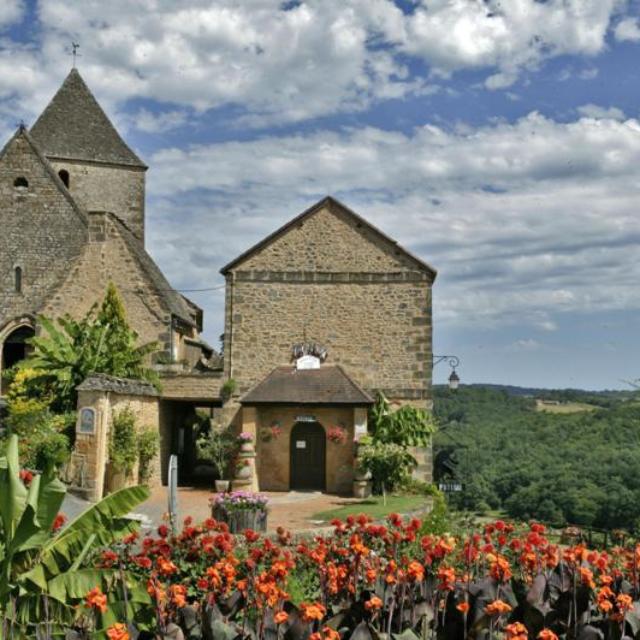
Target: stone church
{"type": "Point", "coordinates": [320, 316]}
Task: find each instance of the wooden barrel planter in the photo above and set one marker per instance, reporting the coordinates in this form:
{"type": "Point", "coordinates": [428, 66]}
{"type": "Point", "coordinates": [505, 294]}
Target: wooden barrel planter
{"type": "Point", "coordinates": [241, 519]}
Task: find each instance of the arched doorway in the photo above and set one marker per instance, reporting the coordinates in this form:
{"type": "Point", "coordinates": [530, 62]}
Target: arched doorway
{"type": "Point", "coordinates": [14, 349]}
{"type": "Point", "coordinates": [308, 456]}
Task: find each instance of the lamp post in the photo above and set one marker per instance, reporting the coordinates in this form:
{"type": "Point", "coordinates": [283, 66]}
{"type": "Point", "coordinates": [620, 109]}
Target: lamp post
{"type": "Point", "coordinates": [453, 362]}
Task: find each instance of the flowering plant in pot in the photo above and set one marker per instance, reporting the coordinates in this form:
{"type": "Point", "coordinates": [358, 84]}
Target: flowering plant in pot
{"type": "Point", "coordinates": [241, 510]}
{"type": "Point", "coordinates": [245, 440]}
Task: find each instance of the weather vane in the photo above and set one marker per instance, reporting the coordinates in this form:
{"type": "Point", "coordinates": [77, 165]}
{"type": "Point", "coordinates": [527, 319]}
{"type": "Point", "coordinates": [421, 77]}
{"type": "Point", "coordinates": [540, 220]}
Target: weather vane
{"type": "Point", "coordinates": [74, 52]}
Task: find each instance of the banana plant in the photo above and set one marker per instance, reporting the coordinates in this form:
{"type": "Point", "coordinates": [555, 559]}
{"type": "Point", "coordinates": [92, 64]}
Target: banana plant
{"type": "Point", "coordinates": [42, 571]}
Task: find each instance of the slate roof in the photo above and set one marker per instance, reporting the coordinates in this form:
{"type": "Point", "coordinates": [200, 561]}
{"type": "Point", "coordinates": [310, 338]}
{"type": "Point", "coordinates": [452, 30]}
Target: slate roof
{"type": "Point", "coordinates": [124, 386]}
{"type": "Point", "coordinates": [74, 127]}
{"type": "Point", "coordinates": [327, 385]}
{"type": "Point", "coordinates": [329, 201]}
{"type": "Point", "coordinates": [174, 301]}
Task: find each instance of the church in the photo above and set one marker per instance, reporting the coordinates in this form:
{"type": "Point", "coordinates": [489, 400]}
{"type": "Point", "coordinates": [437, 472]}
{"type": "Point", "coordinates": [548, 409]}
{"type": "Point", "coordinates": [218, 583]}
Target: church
{"type": "Point", "coordinates": [320, 316]}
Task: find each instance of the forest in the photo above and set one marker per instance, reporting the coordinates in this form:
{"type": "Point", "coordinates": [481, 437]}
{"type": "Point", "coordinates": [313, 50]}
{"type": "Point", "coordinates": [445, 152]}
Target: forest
{"type": "Point", "coordinates": [579, 468]}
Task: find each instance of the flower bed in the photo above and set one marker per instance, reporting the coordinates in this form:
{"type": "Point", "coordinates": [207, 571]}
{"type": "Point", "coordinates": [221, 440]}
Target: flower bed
{"type": "Point", "coordinates": [366, 579]}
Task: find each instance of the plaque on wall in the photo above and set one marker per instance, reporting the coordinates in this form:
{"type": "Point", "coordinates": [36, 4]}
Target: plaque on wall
{"type": "Point", "coordinates": [87, 420]}
{"type": "Point", "coordinates": [301, 444]}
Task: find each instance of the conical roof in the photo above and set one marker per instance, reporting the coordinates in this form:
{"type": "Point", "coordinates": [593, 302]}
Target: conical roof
{"type": "Point", "coordinates": [74, 127]}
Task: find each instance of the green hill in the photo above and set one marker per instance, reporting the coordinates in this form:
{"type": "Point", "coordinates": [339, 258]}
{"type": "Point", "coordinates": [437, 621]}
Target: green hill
{"type": "Point", "coordinates": [579, 468]}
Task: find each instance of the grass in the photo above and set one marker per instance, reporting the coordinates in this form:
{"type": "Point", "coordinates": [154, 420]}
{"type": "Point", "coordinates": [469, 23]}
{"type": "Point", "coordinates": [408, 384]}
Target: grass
{"type": "Point", "coordinates": [564, 407]}
{"type": "Point", "coordinates": [374, 507]}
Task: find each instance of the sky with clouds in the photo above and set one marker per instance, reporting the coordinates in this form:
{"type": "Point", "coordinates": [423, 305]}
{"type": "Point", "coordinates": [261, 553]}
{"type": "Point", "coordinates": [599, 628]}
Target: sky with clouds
{"type": "Point", "coordinates": [497, 139]}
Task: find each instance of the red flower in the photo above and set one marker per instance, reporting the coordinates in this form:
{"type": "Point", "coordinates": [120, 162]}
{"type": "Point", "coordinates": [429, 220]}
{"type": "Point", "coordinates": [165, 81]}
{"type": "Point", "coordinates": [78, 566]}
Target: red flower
{"type": "Point", "coordinates": [163, 531]}
{"type": "Point", "coordinates": [58, 521]}
{"type": "Point", "coordinates": [26, 476]}
{"type": "Point", "coordinates": [547, 634]}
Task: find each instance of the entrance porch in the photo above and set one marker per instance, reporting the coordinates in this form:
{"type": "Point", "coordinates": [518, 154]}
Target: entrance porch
{"type": "Point", "coordinates": [305, 424]}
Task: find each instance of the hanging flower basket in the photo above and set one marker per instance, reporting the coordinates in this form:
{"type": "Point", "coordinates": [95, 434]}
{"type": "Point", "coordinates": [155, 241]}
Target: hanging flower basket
{"type": "Point", "coordinates": [267, 434]}
{"type": "Point", "coordinates": [337, 435]}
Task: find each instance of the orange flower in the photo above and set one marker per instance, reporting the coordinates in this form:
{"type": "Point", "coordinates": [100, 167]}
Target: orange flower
{"type": "Point", "coordinates": [586, 577]}
{"type": "Point", "coordinates": [280, 617]}
{"type": "Point", "coordinates": [497, 608]}
{"type": "Point", "coordinates": [330, 634]}
{"type": "Point", "coordinates": [463, 607]}
{"type": "Point", "coordinates": [547, 634]}
{"type": "Point", "coordinates": [166, 567]}
{"type": "Point", "coordinates": [178, 595]}
{"type": "Point", "coordinates": [415, 572]}
{"type": "Point", "coordinates": [374, 603]}
{"type": "Point", "coordinates": [95, 599]}
{"type": "Point", "coordinates": [500, 569]}
{"type": "Point", "coordinates": [118, 631]}
{"type": "Point", "coordinates": [516, 631]}
{"type": "Point", "coordinates": [624, 602]}
{"type": "Point", "coordinates": [312, 612]}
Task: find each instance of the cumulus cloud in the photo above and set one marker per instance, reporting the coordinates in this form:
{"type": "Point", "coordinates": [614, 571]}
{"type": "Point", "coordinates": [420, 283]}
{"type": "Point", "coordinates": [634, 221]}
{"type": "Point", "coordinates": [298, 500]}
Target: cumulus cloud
{"type": "Point", "coordinates": [524, 221]}
{"type": "Point", "coordinates": [628, 29]}
{"type": "Point", "coordinates": [289, 62]}
{"type": "Point", "coordinates": [10, 11]}
{"type": "Point", "coordinates": [596, 111]}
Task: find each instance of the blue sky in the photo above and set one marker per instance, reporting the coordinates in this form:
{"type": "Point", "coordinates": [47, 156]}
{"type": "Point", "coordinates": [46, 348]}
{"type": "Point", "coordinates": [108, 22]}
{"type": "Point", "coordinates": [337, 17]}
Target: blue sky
{"type": "Point", "coordinates": [498, 140]}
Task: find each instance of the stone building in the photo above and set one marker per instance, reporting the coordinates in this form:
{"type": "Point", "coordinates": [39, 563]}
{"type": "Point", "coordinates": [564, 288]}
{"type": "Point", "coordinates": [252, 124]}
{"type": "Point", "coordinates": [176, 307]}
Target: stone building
{"type": "Point", "coordinates": [320, 316]}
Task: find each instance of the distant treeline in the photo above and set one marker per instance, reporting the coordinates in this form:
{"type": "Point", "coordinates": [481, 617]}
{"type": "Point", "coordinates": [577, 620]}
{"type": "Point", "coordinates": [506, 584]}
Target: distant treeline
{"type": "Point", "coordinates": [581, 468]}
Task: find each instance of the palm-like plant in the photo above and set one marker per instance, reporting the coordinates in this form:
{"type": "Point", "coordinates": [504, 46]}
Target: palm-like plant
{"type": "Point", "coordinates": [102, 342]}
{"type": "Point", "coordinates": [42, 571]}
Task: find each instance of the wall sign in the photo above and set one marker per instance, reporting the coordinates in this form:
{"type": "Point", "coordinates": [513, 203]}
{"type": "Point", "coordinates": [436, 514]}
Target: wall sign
{"type": "Point", "coordinates": [87, 420]}
{"type": "Point", "coordinates": [301, 444]}
{"type": "Point", "coordinates": [306, 419]}
{"type": "Point", "coordinates": [307, 362]}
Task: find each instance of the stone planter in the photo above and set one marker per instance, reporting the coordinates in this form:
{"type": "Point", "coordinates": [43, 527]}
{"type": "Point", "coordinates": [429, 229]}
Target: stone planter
{"type": "Point", "coordinates": [246, 447]}
{"type": "Point", "coordinates": [244, 473]}
{"type": "Point", "coordinates": [361, 489]}
{"type": "Point", "coordinates": [222, 486]}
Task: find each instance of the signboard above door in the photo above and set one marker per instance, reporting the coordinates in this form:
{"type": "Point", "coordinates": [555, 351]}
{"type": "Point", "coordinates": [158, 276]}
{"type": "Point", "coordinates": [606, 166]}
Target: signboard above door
{"type": "Point", "coordinates": [307, 362]}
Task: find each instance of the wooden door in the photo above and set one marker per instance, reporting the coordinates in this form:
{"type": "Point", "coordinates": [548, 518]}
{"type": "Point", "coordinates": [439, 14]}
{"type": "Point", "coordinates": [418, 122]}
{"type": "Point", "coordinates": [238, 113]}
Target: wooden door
{"type": "Point", "coordinates": [308, 456]}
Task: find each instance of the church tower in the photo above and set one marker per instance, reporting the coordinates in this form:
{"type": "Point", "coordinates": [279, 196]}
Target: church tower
{"type": "Point", "coordinates": [98, 168]}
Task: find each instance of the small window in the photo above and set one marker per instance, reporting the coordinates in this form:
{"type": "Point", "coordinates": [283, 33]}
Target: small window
{"type": "Point", "coordinates": [64, 176]}
{"type": "Point", "coordinates": [21, 183]}
{"type": "Point", "coordinates": [18, 279]}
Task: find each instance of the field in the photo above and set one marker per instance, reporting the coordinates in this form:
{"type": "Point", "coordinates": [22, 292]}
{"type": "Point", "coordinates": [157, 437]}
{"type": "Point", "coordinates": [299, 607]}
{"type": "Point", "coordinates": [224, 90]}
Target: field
{"type": "Point", "coordinates": [564, 407]}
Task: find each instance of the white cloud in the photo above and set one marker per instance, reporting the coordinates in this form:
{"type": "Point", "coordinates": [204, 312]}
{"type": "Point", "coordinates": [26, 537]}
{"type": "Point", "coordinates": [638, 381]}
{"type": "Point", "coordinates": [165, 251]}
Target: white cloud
{"type": "Point", "coordinates": [150, 122]}
{"type": "Point", "coordinates": [628, 29]}
{"type": "Point", "coordinates": [596, 111]}
{"type": "Point", "coordinates": [319, 57]}
{"type": "Point", "coordinates": [524, 221]}
{"type": "Point", "coordinates": [526, 344]}
{"type": "Point", "coordinates": [10, 11]}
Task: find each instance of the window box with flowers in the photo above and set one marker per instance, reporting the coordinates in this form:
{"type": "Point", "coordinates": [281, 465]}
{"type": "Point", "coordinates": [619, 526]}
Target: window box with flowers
{"type": "Point", "coordinates": [337, 435]}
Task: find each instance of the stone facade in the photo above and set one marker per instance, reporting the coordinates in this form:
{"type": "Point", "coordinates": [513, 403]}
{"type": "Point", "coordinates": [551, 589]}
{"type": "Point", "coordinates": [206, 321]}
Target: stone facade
{"type": "Point", "coordinates": [334, 281]}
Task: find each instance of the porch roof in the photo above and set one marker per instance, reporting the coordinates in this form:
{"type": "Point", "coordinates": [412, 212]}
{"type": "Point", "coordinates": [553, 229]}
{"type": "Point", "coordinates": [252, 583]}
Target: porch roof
{"type": "Point", "coordinates": [288, 385]}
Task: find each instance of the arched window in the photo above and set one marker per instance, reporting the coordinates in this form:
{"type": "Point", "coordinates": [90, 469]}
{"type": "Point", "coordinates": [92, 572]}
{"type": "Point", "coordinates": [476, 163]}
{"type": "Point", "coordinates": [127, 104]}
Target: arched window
{"type": "Point", "coordinates": [18, 279]}
{"type": "Point", "coordinates": [21, 183]}
{"type": "Point", "coordinates": [64, 176]}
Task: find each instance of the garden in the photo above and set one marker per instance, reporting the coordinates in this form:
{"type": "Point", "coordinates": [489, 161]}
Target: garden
{"type": "Point", "coordinates": [100, 577]}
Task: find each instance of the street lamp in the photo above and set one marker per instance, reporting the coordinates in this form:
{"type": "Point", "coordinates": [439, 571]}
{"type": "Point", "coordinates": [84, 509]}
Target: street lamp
{"type": "Point", "coordinates": [453, 362]}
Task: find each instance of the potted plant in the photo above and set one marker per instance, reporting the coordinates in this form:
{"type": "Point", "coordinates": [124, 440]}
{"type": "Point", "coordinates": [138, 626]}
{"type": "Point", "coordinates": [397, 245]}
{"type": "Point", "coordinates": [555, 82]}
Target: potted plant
{"type": "Point", "coordinates": [217, 446]}
{"type": "Point", "coordinates": [241, 510]}
{"type": "Point", "coordinates": [245, 440]}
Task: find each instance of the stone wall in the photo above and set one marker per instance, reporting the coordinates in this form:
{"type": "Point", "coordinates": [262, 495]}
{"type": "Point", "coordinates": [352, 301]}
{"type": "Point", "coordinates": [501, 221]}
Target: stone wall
{"type": "Point", "coordinates": [102, 187]}
{"type": "Point", "coordinates": [273, 457]}
{"type": "Point", "coordinates": [108, 257]}
{"type": "Point", "coordinates": [40, 231]}
{"type": "Point", "coordinates": [90, 457]}
{"type": "Point", "coordinates": [380, 332]}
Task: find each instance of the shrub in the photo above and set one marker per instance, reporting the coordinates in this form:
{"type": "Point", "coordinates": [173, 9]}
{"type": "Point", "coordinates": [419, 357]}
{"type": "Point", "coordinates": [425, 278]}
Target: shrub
{"type": "Point", "coordinates": [389, 464]}
{"type": "Point", "coordinates": [217, 446]}
{"type": "Point", "coordinates": [123, 448]}
{"type": "Point", "coordinates": [148, 445]}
